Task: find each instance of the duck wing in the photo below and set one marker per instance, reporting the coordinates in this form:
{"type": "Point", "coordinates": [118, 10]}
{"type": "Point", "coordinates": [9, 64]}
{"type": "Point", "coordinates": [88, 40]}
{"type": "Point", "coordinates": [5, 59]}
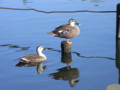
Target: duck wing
{"type": "Point", "coordinates": [62, 29]}
{"type": "Point", "coordinates": [65, 31]}
{"type": "Point", "coordinates": [31, 58]}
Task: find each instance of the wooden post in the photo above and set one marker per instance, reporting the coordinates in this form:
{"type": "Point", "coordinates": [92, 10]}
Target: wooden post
{"type": "Point", "coordinates": [66, 53]}
{"type": "Point", "coordinates": [118, 22]}
{"type": "Point", "coordinates": [65, 47]}
{"type": "Point", "coordinates": [118, 40]}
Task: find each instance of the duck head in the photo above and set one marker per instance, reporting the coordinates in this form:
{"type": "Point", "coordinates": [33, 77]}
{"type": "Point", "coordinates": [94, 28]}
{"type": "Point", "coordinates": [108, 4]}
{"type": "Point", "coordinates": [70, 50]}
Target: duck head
{"type": "Point", "coordinates": [73, 22]}
{"type": "Point", "coordinates": [40, 48]}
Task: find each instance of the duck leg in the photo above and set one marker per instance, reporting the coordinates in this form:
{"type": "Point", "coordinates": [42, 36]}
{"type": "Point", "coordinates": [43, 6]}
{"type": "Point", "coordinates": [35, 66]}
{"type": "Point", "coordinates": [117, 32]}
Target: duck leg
{"type": "Point", "coordinates": [68, 65]}
{"type": "Point", "coordinates": [68, 42]}
{"type": "Point", "coordinates": [68, 68]}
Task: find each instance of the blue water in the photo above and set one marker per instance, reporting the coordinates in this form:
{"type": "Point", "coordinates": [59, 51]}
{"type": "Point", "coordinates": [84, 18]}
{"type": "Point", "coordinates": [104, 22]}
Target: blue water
{"type": "Point", "coordinates": [22, 31]}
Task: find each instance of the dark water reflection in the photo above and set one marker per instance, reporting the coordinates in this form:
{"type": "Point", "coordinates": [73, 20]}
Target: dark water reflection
{"type": "Point", "coordinates": [70, 75]}
{"type": "Point", "coordinates": [40, 68]}
{"type": "Point", "coordinates": [118, 57]}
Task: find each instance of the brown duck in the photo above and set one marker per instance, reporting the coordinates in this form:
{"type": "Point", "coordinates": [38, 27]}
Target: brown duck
{"type": "Point", "coordinates": [67, 31]}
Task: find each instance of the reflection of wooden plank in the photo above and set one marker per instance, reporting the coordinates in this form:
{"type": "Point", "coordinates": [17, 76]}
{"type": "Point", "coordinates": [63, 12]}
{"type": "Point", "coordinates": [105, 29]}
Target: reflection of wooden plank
{"type": "Point", "coordinates": [118, 22]}
{"type": "Point", "coordinates": [118, 58]}
{"type": "Point", "coordinates": [118, 54]}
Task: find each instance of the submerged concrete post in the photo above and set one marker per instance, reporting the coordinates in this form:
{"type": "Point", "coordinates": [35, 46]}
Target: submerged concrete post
{"type": "Point", "coordinates": [118, 22]}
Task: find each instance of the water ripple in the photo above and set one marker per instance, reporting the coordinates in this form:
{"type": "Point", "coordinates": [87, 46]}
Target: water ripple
{"type": "Point", "coordinates": [15, 46]}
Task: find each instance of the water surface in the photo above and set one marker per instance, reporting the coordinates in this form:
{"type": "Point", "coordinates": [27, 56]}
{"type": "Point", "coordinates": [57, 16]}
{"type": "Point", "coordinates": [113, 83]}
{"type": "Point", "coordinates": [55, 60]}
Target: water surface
{"type": "Point", "coordinates": [93, 64]}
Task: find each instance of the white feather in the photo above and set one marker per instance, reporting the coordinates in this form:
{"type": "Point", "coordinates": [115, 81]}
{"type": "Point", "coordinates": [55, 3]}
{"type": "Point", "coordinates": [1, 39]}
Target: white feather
{"type": "Point", "coordinates": [24, 59]}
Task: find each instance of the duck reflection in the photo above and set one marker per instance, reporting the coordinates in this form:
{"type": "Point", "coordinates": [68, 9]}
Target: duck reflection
{"type": "Point", "coordinates": [68, 75]}
{"type": "Point", "coordinates": [40, 68]}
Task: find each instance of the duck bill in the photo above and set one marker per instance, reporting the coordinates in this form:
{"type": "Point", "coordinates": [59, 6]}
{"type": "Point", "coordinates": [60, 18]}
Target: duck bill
{"type": "Point", "coordinates": [77, 23]}
{"type": "Point", "coordinates": [45, 48]}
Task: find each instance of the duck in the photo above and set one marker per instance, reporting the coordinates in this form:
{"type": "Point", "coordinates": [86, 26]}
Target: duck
{"type": "Point", "coordinates": [67, 31]}
{"type": "Point", "coordinates": [31, 58]}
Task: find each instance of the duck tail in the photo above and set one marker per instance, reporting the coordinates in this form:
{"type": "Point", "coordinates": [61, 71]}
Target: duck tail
{"type": "Point", "coordinates": [22, 61]}
{"type": "Point", "coordinates": [53, 34]}
{"type": "Point", "coordinates": [50, 32]}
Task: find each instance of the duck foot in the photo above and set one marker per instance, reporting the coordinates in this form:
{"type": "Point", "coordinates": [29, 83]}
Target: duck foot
{"type": "Point", "coordinates": [68, 42]}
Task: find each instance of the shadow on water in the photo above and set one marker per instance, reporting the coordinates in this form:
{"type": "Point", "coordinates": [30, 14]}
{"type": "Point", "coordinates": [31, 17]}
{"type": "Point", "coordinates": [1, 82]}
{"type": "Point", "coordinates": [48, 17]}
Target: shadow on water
{"type": "Point", "coordinates": [40, 68]}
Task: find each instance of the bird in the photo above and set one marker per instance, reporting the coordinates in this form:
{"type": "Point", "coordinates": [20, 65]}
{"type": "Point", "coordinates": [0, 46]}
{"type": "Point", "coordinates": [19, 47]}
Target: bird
{"type": "Point", "coordinates": [39, 57]}
{"type": "Point", "coordinates": [67, 31]}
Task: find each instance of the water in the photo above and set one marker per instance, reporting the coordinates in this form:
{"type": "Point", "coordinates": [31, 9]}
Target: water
{"type": "Point", "coordinates": [93, 64]}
